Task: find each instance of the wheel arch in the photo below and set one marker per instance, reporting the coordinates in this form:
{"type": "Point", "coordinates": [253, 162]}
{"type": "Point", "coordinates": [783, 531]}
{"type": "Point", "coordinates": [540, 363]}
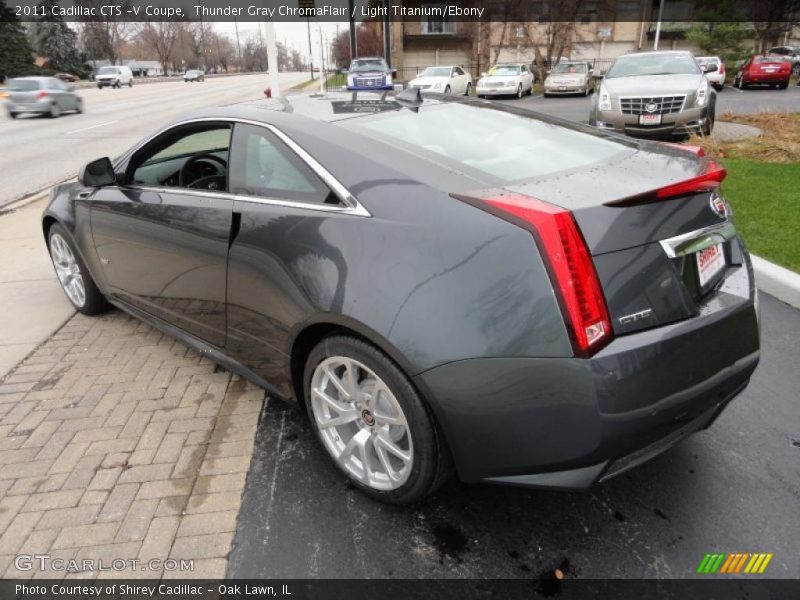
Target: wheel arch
{"type": "Point", "coordinates": [310, 333]}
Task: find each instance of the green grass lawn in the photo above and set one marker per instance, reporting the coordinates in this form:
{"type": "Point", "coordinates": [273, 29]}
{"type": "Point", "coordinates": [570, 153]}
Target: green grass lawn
{"type": "Point", "coordinates": [766, 208]}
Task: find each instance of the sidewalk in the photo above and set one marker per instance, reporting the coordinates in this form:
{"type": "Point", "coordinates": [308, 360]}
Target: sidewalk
{"type": "Point", "coordinates": [116, 442]}
{"type": "Point", "coordinates": [31, 299]}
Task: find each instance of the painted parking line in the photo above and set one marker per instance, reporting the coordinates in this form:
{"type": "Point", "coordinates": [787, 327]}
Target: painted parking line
{"type": "Point", "coordinates": [92, 127]}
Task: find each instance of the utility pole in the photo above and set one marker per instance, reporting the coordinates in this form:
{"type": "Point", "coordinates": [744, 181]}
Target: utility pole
{"type": "Point", "coordinates": [321, 63]}
{"type": "Point", "coordinates": [658, 24]}
{"type": "Point", "coordinates": [272, 60]}
{"type": "Point", "coordinates": [353, 37]}
{"type": "Point", "coordinates": [387, 35]}
{"type": "Point", "coordinates": [310, 51]}
{"type": "Point", "coordinates": [238, 45]}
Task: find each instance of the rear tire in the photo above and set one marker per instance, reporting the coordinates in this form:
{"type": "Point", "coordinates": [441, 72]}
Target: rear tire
{"type": "Point", "coordinates": [468, 90]}
{"type": "Point", "coordinates": [79, 107]}
{"type": "Point", "coordinates": [783, 86]}
{"type": "Point", "coordinates": [719, 87]}
{"type": "Point", "coordinates": [447, 89]}
{"type": "Point", "coordinates": [74, 277]}
{"type": "Point", "coordinates": [373, 429]}
{"type": "Point", "coordinates": [13, 115]}
{"type": "Point", "coordinates": [130, 83]}
{"type": "Point", "coordinates": [55, 111]}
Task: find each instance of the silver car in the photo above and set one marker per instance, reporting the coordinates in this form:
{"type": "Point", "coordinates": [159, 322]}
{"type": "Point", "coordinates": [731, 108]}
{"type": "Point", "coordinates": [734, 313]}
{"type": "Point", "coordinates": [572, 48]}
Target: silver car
{"type": "Point", "coordinates": [42, 95]}
{"type": "Point", "coordinates": [569, 78]}
{"type": "Point", "coordinates": [655, 94]}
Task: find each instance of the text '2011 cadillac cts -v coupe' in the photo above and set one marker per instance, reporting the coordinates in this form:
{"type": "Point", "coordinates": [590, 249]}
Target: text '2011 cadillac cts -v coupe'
{"type": "Point", "coordinates": [522, 300]}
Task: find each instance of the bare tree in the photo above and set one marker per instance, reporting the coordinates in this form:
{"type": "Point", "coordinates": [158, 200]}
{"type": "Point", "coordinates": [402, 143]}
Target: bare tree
{"type": "Point", "coordinates": [106, 37]}
{"type": "Point", "coordinates": [161, 37]}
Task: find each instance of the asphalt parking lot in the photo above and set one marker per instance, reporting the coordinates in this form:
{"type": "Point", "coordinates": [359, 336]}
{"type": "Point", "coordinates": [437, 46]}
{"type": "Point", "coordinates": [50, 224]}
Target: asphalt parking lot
{"type": "Point", "coordinates": [753, 100]}
{"type": "Point", "coordinates": [732, 488]}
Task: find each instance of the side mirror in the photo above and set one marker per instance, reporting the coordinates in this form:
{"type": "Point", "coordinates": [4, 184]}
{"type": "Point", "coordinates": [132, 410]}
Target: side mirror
{"type": "Point", "coordinates": [97, 173]}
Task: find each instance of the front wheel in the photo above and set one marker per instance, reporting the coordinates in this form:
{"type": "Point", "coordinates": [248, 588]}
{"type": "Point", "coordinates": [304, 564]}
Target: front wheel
{"type": "Point", "coordinates": [447, 89]}
{"type": "Point", "coordinates": [519, 91]}
{"type": "Point", "coordinates": [372, 422]}
{"type": "Point", "coordinates": [13, 115]}
{"type": "Point", "coordinates": [79, 107]}
{"type": "Point", "coordinates": [74, 277]}
{"type": "Point", "coordinates": [468, 90]}
{"type": "Point", "coordinates": [130, 83]}
{"type": "Point", "coordinates": [55, 110]}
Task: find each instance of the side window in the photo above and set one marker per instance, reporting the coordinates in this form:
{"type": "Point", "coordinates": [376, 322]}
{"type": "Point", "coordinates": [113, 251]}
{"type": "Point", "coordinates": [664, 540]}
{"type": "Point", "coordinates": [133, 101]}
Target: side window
{"type": "Point", "coordinates": [190, 156]}
{"type": "Point", "coordinates": [459, 71]}
{"type": "Point", "coordinates": [264, 166]}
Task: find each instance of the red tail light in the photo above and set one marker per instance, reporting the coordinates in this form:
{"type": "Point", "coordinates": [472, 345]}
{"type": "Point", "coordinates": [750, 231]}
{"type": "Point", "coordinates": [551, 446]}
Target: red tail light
{"type": "Point", "coordinates": [571, 269]}
{"type": "Point", "coordinates": [721, 69]}
{"type": "Point", "coordinates": [41, 95]}
{"type": "Point", "coordinates": [711, 178]}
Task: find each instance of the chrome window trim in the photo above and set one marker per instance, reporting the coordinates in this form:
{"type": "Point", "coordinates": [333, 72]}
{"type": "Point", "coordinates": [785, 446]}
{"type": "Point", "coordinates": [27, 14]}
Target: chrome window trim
{"type": "Point", "coordinates": [351, 204]}
{"type": "Point", "coordinates": [699, 239]}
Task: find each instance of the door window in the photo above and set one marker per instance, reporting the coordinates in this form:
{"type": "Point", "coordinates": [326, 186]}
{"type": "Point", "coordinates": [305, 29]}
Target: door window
{"type": "Point", "coordinates": [194, 157]}
{"type": "Point", "coordinates": [263, 166]}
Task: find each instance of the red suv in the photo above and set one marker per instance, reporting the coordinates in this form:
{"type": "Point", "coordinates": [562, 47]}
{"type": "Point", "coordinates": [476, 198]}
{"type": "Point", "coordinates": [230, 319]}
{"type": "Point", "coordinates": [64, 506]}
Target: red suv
{"type": "Point", "coordinates": [766, 70]}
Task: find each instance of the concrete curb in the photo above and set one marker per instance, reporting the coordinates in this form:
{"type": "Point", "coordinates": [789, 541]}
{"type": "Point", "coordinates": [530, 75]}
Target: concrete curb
{"type": "Point", "coordinates": [777, 281]}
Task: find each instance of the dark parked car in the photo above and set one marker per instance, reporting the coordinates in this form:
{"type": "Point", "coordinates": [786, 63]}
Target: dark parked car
{"type": "Point", "coordinates": [369, 73]}
{"type": "Point", "coordinates": [774, 71]}
{"type": "Point", "coordinates": [68, 77]}
{"type": "Point", "coordinates": [548, 307]}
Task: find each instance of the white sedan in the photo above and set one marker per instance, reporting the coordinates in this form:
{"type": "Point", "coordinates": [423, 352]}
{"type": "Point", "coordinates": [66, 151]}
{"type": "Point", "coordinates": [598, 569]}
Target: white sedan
{"type": "Point", "coordinates": [506, 80]}
{"type": "Point", "coordinates": [444, 80]}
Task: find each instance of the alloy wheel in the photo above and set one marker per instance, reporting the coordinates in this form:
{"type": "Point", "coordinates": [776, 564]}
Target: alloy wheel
{"type": "Point", "coordinates": [67, 270]}
{"type": "Point", "coordinates": [519, 91]}
{"type": "Point", "coordinates": [361, 423]}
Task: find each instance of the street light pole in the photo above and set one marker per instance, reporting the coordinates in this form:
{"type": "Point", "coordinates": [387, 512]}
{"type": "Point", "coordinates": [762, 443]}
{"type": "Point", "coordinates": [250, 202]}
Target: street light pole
{"type": "Point", "coordinates": [658, 24]}
{"type": "Point", "coordinates": [310, 52]}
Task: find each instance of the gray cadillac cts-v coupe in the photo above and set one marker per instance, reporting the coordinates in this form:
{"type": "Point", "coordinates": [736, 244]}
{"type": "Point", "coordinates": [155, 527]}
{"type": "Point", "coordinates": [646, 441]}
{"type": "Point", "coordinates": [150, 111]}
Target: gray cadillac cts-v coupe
{"type": "Point", "coordinates": [444, 284]}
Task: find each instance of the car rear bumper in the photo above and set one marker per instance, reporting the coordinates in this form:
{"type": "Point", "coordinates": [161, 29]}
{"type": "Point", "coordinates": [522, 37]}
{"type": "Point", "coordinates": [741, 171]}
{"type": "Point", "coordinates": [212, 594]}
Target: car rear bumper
{"type": "Point", "coordinates": [503, 91]}
{"type": "Point", "coordinates": [569, 89]}
{"type": "Point", "coordinates": [41, 107]}
{"type": "Point", "coordinates": [767, 78]}
{"type": "Point", "coordinates": [688, 121]}
{"type": "Point", "coordinates": [568, 423]}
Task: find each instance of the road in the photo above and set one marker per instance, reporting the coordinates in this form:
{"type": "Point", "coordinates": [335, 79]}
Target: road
{"type": "Point", "coordinates": [732, 488]}
{"type": "Point", "coordinates": [38, 151]}
{"type": "Point", "coordinates": [754, 100]}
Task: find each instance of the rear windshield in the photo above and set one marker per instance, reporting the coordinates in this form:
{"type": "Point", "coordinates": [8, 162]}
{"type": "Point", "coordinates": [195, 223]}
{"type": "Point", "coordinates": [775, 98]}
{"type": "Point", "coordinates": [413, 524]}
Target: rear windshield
{"type": "Point", "coordinates": [570, 68]}
{"type": "Point", "coordinates": [768, 59]}
{"type": "Point", "coordinates": [436, 72]}
{"type": "Point", "coordinates": [506, 146]}
{"type": "Point", "coordinates": [23, 85]}
{"type": "Point", "coordinates": [504, 70]}
{"type": "Point", "coordinates": [108, 71]}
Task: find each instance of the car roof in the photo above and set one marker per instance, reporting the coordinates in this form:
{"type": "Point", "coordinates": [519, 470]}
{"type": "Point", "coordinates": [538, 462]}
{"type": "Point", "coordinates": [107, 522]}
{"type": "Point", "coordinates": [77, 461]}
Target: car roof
{"type": "Point", "coordinates": [31, 78]}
